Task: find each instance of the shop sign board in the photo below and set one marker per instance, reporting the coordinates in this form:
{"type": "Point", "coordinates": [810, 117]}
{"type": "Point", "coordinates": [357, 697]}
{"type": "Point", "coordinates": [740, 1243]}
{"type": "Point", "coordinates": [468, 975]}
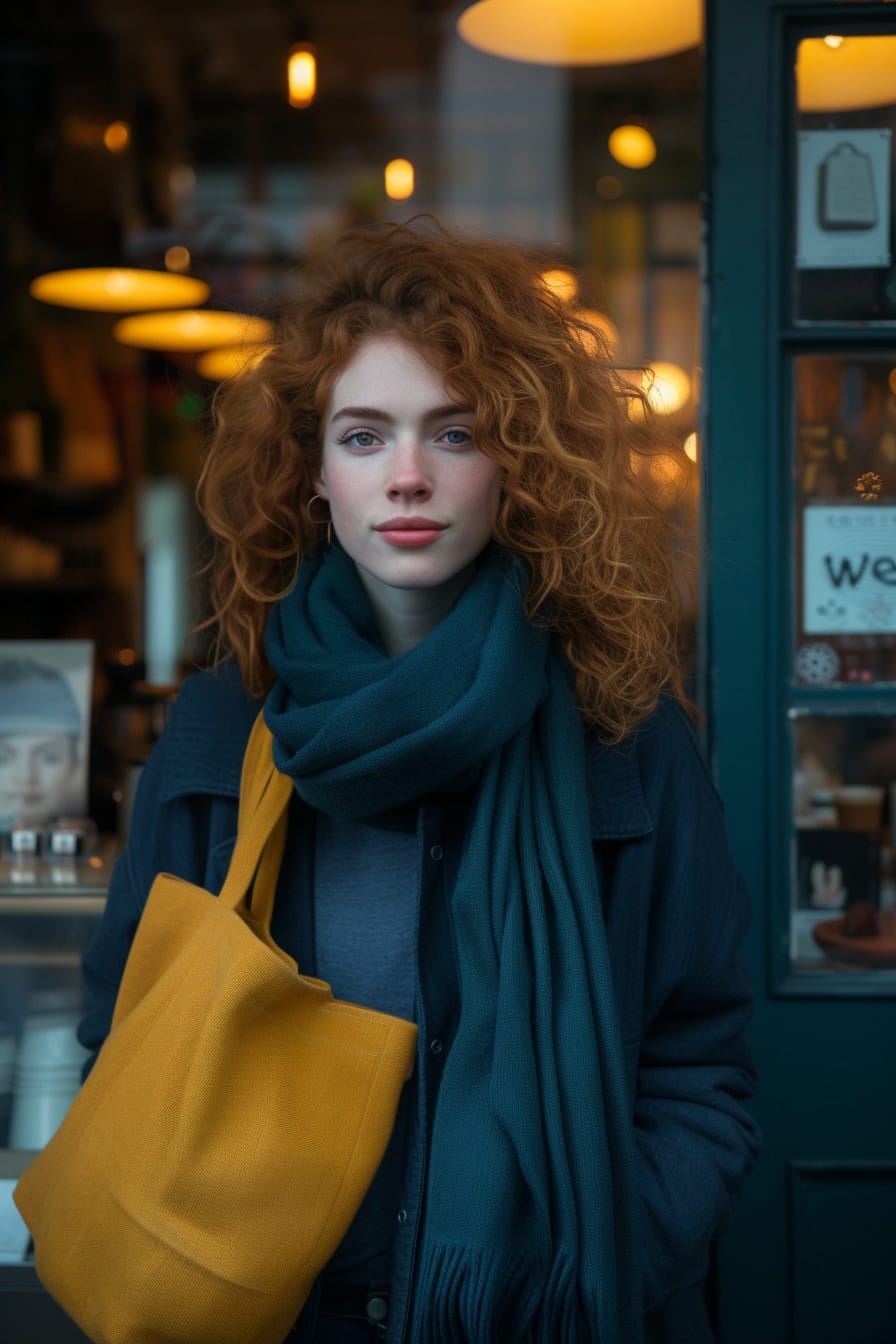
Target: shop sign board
{"type": "Point", "coordinates": [843, 199]}
{"type": "Point", "coordinates": [849, 569]}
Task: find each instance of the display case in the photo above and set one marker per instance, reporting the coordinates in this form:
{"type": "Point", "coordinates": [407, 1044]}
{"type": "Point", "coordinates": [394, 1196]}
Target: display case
{"type": "Point", "coordinates": [49, 911]}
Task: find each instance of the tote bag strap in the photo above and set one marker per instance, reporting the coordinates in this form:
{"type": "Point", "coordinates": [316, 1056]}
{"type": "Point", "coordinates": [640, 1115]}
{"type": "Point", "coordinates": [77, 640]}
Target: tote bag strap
{"type": "Point", "coordinates": [261, 830]}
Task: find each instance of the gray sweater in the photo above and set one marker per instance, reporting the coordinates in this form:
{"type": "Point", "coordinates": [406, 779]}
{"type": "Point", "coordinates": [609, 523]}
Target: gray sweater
{"type": "Point", "coordinates": [366, 905]}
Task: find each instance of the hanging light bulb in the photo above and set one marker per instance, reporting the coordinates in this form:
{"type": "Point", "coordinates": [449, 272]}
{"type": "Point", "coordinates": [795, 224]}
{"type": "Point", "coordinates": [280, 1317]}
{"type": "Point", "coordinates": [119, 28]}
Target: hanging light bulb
{"type": "Point", "coordinates": [399, 179]}
{"type": "Point", "coordinates": [301, 73]}
{"type": "Point", "coordinates": [117, 136]}
{"type": "Point", "coordinates": [666, 386]}
{"type": "Point", "coordinates": [597, 328]}
{"type": "Point", "coordinates": [177, 258]}
{"type": "Point", "coordinates": [632, 145]}
{"type": "Point", "coordinates": [581, 32]}
{"type": "Point", "coordinates": [836, 74]}
{"type": "Point", "coordinates": [561, 282]}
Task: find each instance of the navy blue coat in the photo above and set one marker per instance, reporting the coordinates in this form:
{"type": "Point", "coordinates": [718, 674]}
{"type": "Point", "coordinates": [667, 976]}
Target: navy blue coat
{"type": "Point", "coordinates": [675, 910]}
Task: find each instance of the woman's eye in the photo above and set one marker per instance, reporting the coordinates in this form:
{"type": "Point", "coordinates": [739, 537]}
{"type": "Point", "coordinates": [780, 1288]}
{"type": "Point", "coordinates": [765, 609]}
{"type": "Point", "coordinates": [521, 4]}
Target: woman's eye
{"type": "Point", "coordinates": [360, 438]}
{"type": "Point", "coordinates": [457, 438]}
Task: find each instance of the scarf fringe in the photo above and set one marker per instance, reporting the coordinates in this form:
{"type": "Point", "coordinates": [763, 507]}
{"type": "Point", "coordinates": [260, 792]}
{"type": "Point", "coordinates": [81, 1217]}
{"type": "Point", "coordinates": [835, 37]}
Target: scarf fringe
{"type": "Point", "coordinates": [473, 1299]}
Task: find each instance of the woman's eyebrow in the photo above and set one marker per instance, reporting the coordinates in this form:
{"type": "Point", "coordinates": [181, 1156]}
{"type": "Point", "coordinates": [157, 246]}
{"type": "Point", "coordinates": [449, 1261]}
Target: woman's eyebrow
{"type": "Point", "coordinates": [373, 413]}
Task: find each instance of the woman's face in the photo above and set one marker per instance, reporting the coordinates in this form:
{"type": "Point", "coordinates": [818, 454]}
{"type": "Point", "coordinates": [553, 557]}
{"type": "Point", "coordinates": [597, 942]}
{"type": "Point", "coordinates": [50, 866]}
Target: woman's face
{"type": "Point", "coordinates": [412, 499]}
{"type": "Point", "coordinates": [35, 772]}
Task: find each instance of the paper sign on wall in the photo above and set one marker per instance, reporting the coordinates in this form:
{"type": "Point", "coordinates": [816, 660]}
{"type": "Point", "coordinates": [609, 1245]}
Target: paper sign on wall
{"type": "Point", "coordinates": [849, 569]}
{"type": "Point", "coordinates": [843, 199]}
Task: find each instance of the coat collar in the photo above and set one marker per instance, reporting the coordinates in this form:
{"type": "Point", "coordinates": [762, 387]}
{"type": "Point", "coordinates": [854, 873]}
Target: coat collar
{"type": "Point", "coordinates": [214, 717]}
{"type": "Point", "coordinates": [617, 807]}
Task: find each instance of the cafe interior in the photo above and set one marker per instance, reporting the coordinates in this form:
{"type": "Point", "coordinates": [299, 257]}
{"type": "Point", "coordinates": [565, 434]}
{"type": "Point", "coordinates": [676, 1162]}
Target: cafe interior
{"type": "Point", "coordinates": [162, 144]}
{"type": "Point", "coordinates": [170, 171]}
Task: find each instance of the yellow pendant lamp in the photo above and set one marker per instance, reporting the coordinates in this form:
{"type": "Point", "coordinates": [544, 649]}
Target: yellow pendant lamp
{"type": "Point", "coordinates": [191, 330]}
{"type": "Point", "coordinates": [582, 32]}
{"type": "Point", "coordinates": [117, 289]}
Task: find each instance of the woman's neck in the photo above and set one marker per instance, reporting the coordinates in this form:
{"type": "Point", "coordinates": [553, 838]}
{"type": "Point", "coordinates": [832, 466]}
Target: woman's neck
{"type": "Point", "coordinates": [407, 615]}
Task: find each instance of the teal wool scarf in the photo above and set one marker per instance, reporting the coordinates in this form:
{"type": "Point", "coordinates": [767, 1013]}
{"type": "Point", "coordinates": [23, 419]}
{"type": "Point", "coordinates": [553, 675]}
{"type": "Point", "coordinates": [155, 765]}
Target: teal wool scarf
{"type": "Point", "coordinates": [529, 1224]}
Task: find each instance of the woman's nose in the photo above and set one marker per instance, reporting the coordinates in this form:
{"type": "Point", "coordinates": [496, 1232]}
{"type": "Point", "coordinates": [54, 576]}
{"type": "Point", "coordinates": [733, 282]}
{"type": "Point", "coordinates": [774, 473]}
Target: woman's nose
{"type": "Point", "coordinates": [409, 475]}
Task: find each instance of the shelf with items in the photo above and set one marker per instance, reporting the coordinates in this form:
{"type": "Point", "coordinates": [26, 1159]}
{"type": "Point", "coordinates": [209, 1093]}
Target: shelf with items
{"type": "Point", "coordinates": [843, 857]}
{"type": "Point", "coordinates": [50, 908]}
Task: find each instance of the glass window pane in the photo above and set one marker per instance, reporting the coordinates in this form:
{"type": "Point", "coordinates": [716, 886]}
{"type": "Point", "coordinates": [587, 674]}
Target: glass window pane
{"type": "Point", "coordinates": [843, 181]}
{"type": "Point", "coordinates": [843, 889]}
{"type": "Point", "coordinates": [845, 519]}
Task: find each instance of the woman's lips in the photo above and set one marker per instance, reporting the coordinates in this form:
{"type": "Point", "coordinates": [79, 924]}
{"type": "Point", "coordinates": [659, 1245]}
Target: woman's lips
{"type": "Point", "coordinates": [410, 531]}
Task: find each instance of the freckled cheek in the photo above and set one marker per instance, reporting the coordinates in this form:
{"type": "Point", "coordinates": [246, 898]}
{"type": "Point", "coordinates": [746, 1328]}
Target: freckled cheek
{"type": "Point", "coordinates": [491, 490]}
{"type": "Point", "coordinates": [346, 494]}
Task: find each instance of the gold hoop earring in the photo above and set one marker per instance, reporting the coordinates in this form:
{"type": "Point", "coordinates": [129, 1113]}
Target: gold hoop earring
{"type": "Point", "coordinates": [316, 522]}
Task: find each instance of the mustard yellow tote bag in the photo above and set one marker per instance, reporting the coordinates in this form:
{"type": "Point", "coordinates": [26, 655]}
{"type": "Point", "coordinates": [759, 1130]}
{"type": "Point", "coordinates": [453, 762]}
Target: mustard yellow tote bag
{"type": "Point", "coordinates": [235, 1116]}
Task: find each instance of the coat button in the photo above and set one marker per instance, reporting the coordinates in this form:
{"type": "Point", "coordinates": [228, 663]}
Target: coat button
{"type": "Point", "coordinates": [436, 1046]}
{"type": "Point", "coordinates": [402, 1215]}
{"type": "Point", "coordinates": [377, 1309]}
{"type": "Point", "coordinates": [436, 852]}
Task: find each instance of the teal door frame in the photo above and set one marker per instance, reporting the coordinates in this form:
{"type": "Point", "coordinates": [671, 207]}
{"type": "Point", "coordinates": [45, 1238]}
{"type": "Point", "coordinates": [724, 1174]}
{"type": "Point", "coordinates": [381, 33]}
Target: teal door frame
{"type": "Point", "coordinates": [825, 1053]}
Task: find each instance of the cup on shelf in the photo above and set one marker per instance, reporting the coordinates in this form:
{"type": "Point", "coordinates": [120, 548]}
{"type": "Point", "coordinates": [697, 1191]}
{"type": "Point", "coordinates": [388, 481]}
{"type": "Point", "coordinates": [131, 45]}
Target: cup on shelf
{"type": "Point", "coordinates": [23, 841]}
{"type": "Point", "coordinates": [48, 1040]}
{"type": "Point", "coordinates": [47, 1077]}
{"type": "Point", "coordinates": [36, 1115]}
{"type": "Point", "coordinates": [859, 807]}
{"type": "Point", "coordinates": [71, 838]}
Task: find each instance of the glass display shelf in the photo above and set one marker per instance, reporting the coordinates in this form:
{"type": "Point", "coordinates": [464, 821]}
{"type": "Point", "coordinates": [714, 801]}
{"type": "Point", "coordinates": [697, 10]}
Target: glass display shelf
{"type": "Point", "coordinates": [49, 907]}
{"type": "Point", "coordinates": [49, 911]}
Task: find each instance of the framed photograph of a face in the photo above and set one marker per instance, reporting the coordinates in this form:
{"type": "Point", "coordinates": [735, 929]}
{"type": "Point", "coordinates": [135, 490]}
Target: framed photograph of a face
{"type": "Point", "coordinates": [45, 698]}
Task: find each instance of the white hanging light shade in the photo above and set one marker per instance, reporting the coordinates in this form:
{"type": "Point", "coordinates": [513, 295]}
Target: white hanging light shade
{"type": "Point", "coordinates": [835, 74]}
{"type": "Point", "coordinates": [582, 32]}
{"type": "Point", "coordinates": [193, 330]}
{"type": "Point", "coordinates": [117, 289]}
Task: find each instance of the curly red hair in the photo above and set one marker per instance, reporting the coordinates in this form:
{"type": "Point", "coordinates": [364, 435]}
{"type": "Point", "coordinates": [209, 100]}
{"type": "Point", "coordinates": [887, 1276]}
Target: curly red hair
{"type": "Point", "coordinates": [550, 409]}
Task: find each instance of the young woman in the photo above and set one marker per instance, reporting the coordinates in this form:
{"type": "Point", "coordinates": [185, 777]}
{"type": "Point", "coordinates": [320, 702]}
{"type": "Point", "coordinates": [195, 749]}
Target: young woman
{"type": "Point", "coordinates": [435, 571]}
